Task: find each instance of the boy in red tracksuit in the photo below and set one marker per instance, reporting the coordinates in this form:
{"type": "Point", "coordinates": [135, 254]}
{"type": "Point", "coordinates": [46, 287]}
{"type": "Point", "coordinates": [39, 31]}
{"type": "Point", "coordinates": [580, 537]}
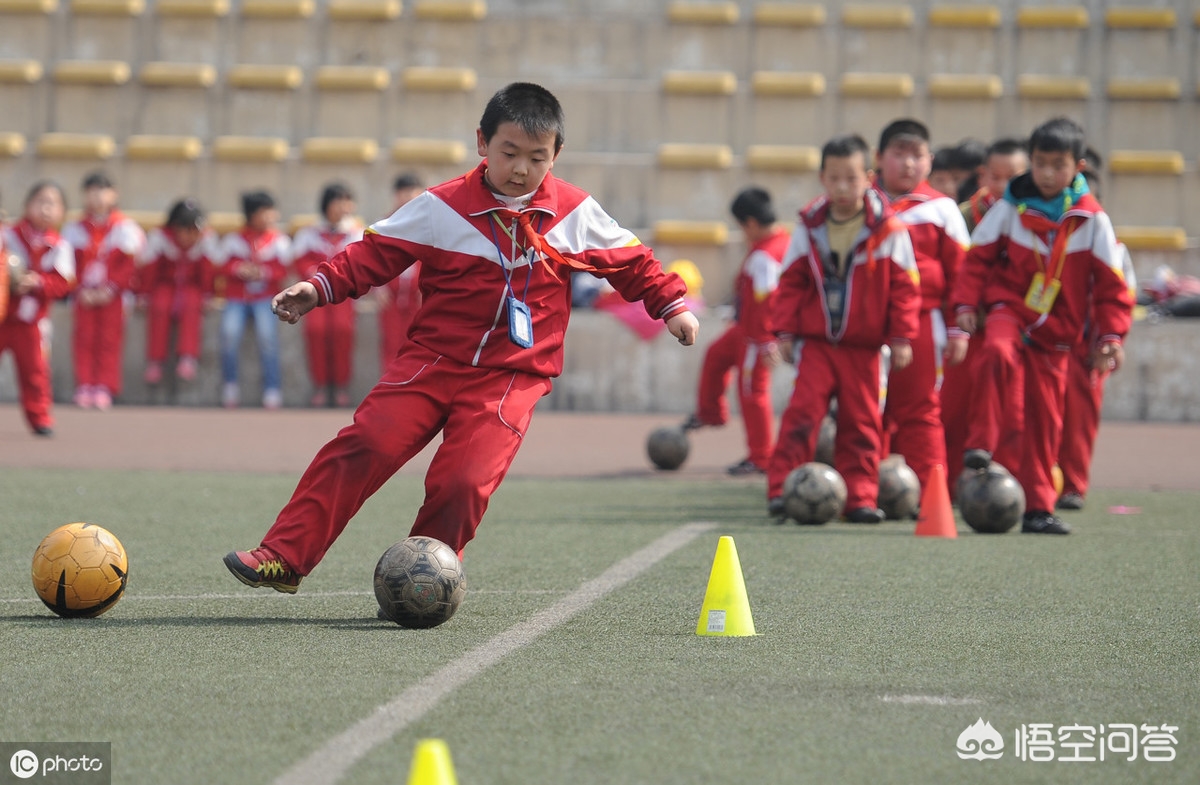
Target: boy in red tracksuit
{"type": "Point", "coordinates": [1042, 257]}
{"type": "Point", "coordinates": [912, 419]}
{"type": "Point", "coordinates": [748, 345]}
{"type": "Point", "coordinates": [400, 298]}
{"type": "Point", "coordinates": [848, 287]}
{"type": "Point", "coordinates": [175, 276]}
{"type": "Point", "coordinates": [41, 269]}
{"type": "Point", "coordinates": [329, 332]}
{"type": "Point", "coordinates": [106, 246]}
{"type": "Point", "coordinates": [497, 247]}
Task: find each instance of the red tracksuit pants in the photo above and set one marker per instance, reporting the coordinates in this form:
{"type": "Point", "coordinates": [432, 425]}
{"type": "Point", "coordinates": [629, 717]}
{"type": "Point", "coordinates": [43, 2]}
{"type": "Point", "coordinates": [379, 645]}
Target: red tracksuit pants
{"type": "Point", "coordinates": [184, 307]}
{"type": "Point", "coordinates": [731, 352]}
{"type": "Point", "coordinates": [24, 340]}
{"type": "Point", "coordinates": [329, 338]}
{"type": "Point", "coordinates": [1014, 379]}
{"type": "Point", "coordinates": [912, 416]}
{"type": "Point", "coordinates": [97, 342]}
{"type": "Point", "coordinates": [482, 414]}
{"type": "Point", "coordinates": [1081, 421]}
{"type": "Point", "coordinates": [825, 370]}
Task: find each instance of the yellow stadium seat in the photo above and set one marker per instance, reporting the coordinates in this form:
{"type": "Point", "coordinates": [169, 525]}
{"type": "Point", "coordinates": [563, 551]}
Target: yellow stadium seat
{"type": "Point", "coordinates": [156, 147]}
{"type": "Point", "coordinates": [1150, 162]}
{"type": "Point", "coordinates": [707, 13]}
{"type": "Point", "coordinates": [77, 146]}
{"type": "Point", "coordinates": [1150, 89]}
{"type": "Point", "coordinates": [108, 7]}
{"type": "Point", "coordinates": [864, 15]}
{"type": "Point", "coordinates": [1053, 87]}
{"type": "Point", "coordinates": [192, 8]}
{"type": "Point", "coordinates": [250, 149]}
{"type": "Point", "coordinates": [225, 221]}
{"type": "Point", "coordinates": [960, 16]}
{"type": "Point", "coordinates": [91, 72]}
{"type": "Point", "coordinates": [789, 15]}
{"type": "Point", "coordinates": [146, 219]}
{"type": "Point", "coordinates": [278, 9]}
{"type": "Point", "coordinates": [428, 151]}
{"type": "Point", "coordinates": [352, 77]}
{"type": "Point", "coordinates": [1067, 16]}
{"type": "Point", "coordinates": [11, 145]}
{"type": "Point", "coordinates": [876, 85]}
{"type": "Point", "coordinates": [795, 84]}
{"type": "Point", "coordinates": [451, 10]}
{"type": "Point", "coordinates": [330, 150]}
{"type": "Point", "coordinates": [20, 72]}
{"type": "Point", "coordinates": [1153, 238]}
{"type": "Point", "coordinates": [695, 156]}
{"type": "Point", "coordinates": [431, 79]}
{"type": "Point", "coordinates": [965, 86]}
{"type": "Point", "coordinates": [783, 158]}
{"type": "Point", "coordinates": [249, 76]}
{"type": "Point", "coordinates": [28, 6]}
{"type": "Point", "coordinates": [166, 74]}
{"type": "Point", "coordinates": [677, 232]}
{"type": "Point", "coordinates": [364, 10]}
{"type": "Point", "coordinates": [699, 83]}
{"type": "Point", "coordinates": [1130, 17]}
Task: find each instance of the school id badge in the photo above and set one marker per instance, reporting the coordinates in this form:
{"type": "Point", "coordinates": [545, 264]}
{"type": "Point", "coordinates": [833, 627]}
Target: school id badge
{"type": "Point", "coordinates": [520, 323]}
{"type": "Point", "coordinates": [1042, 293]}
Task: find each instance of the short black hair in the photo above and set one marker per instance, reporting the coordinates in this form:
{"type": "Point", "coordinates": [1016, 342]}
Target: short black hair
{"type": "Point", "coordinates": [968, 154]}
{"type": "Point", "coordinates": [1059, 135]}
{"type": "Point", "coordinates": [405, 181]}
{"type": "Point", "coordinates": [1093, 181]}
{"type": "Point", "coordinates": [42, 185]}
{"type": "Point", "coordinates": [187, 214]}
{"type": "Point", "coordinates": [1007, 145]}
{"type": "Point", "coordinates": [332, 193]}
{"type": "Point", "coordinates": [253, 201]}
{"type": "Point", "coordinates": [845, 146]}
{"type": "Point", "coordinates": [97, 179]}
{"type": "Point", "coordinates": [943, 160]}
{"type": "Point", "coordinates": [533, 108]}
{"type": "Point", "coordinates": [901, 128]}
{"type": "Point", "coordinates": [753, 202]}
{"type": "Point", "coordinates": [1094, 159]}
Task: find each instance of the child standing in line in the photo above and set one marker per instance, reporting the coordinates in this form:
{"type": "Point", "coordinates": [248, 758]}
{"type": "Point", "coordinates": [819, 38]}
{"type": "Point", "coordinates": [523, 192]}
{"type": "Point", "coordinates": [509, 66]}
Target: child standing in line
{"type": "Point", "coordinates": [175, 275]}
{"type": "Point", "coordinates": [106, 244]}
{"type": "Point", "coordinates": [400, 297]}
{"type": "Point", "coordinates": [253, 263]}
{"type": "Point", "coordinates": [41, 269]}
{"type": "Point", "coordinates": [1042, 257]}
{"type": "Point", "coordinates": [848, 287]}
{"type": "Point", "coordinates": [329, 332]}
{"type": "Point", "coordinates": [497, 247]}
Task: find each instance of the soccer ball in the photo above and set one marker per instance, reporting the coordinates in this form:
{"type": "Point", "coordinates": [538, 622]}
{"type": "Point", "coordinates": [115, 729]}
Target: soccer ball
{"type": "Point", "coordinates": [419, 582]}
{"type": "Point", "coordinates": [991, 500]}
{"type": "Point", "coordinates": [825, 439]}
{"type": "Point", "coordinates": [899, 489]}
{"type": "Point", "coordinates": [813, 493]}
{"type": "Point", "coordinates": [80, 570]}
{"type": "Point", "coordinates": [668, 448]}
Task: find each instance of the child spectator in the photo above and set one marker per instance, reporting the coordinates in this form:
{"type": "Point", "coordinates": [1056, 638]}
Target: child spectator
{"type": "Point", "coordinates": [175, 275]}
{"type": "Point", "coordinates": [329, 332]}
{"type": "Point", "coordinates": [912, 418]}
{"type": "Point", "coordinates": [941, 173]}
{"type": "Point", "coordinates": [748, 346]}
{"type": "Point", "coordinates": [848, 287]}
{"type": "Point", "coordinates": [1006, 158]}
{"type": "Point", "coordinates": [966, 162]}
{"type": "Point", "coordinates": [1043, 256]}
{"type": "Point", "coordinates": [253, 263]}
{"type": "Point", "coordinates": [106, 246]}
{"type": "Point", "coordinates": [400, 297]}
{"type": "Point", "coordinates": [41, 268]}
{"type": "Point", "coordinates": [497, 246]}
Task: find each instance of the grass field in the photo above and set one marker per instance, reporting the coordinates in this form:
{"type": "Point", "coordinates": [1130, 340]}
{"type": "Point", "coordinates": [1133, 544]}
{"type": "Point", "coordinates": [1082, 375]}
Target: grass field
{"type": "Point", "coordinates": [876, 649]}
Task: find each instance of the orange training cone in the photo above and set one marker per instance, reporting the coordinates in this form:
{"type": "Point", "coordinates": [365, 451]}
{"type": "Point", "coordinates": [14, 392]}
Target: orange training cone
{"type": "Point", "coordinates": [936, 518]}
{"type": "Point", "coordinates": [431, 764]}
{"type": "Point", "coordinates": [726, 609]}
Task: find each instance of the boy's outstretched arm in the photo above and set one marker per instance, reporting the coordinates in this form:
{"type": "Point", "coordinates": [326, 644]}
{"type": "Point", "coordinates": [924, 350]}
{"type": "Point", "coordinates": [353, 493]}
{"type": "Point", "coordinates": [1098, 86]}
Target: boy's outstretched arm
{"type": "Point", "coordinates": [684, 326]}
{"type": "Point", "coordinates": [294, 301]}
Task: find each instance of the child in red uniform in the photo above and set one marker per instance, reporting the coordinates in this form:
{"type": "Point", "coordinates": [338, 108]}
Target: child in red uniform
{"type": "Point", "coordinates": [329, 332]}
{"type": "Point", "coordinates": [1042, 257]}
{"type": "Point", "coordinates": [41, 269]}
{"type": "Point", "coordinates": [912, 419]}
{"type": "Point", "coordinates": [497, 247]}
{"type": "Point", "coordinates": [106, 246]}
{"type": "Point", "coordinates": [748, 345]}
{"type": "Point", "coordinates": [400, 297]}
{"type": "Point", "coordinates": [849, 286]}
{"type": "Point", "coordinates": [175, 275]}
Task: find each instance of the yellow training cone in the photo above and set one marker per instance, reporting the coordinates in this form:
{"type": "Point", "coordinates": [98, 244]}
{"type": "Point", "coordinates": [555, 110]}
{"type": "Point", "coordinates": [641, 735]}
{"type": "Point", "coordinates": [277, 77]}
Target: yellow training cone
{"type": "Point", "coordinates": [726, 610]}
{"type": "Point", "coordinates": [431, 764]}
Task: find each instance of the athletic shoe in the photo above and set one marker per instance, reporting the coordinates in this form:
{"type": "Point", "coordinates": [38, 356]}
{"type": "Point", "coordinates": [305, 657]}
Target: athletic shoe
{"type": "Point", "coordinates": [272, 399]}
{"type": "Point", "coordinates": [692, 423]}
{"type": "Point", "coordinates": [865, 515]}
{"type": "Point", "coordinates": [153, 374]}
{"type": "Point", "coordinates": [319, 399]}
{"type": "Point", "coordinates": [263, 567]}
{"type": "Point", "coordinates": [43, 430]}
{"type": "Point", "coordinates": [231, 396]}
{"type": "Point", "coordinates": [743, 468]}
{"type": "Point", "coordinates": [977, 459]}
{"type": "Point", "coordinates": [1042, 522]}
{"type": "Point", "coordinates": [186, 368]}
{"type": "Point", "coordinates": [341, 399]}
{"type": "Point", "coordinates": [101, 399]}
{"type": "Point", "coordinates": [1070, 501]}
{"type": "Point", "coordinates": [84, 397]}
{"type": "Point", "coordinates": [776, 509]}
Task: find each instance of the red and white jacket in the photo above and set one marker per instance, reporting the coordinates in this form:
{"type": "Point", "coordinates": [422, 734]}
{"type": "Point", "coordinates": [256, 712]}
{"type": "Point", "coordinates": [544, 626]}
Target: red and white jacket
{"type": "Point", "coordinates": [163, 264]}
{"type": "Point", "coordinates": [756, 284]}
{"type": "Point", "coordinates": [468, 261]}
{"type": "Point", "coordinates": [881, 298]}
{"type": "Point", "coordinates": [47, 254]}
{"type": "Point", "coordinates": [315, 244]}
{"type": "Point", "coordinates": [105, 251]}
{"type": "Point", "coordinates": [266, 255]}
{"type": "Point", "coordinates": [940, 241]}
{"type": "Point", "coordinates": [1081, 251]}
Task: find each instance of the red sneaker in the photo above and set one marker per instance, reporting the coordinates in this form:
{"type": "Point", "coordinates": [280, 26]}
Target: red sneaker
{"type": "Point", "coordinates": [263, 567]}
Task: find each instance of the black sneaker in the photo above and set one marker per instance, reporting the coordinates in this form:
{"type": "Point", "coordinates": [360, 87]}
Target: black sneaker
{"type": "Point", "coordinates": [743, 468]}
{"type": "Point", "coordinates": [692, 423]}
{"type": "Point", "coordinates": [776, 509]}
{"type": "Point", "coordinates": [1041, 522]}
{"type": "Point", "coordinates": [43, 430]}
{"type": "Point", "coordinates": [865, 515]}
{"type": "Point", "coordinates": [1070, 501]}
{"type": "Point", "coordinates": [977, 459]}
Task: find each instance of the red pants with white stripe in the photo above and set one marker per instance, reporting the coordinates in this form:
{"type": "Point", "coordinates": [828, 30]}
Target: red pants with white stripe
{"type": "Point", "coordinates": [329, 339]}
{"type": "Point", "coordinates": [731, 352]}
{"type": "Point", "coordinates": [912, 416]}
{"type": "Point", "coordinates": [185, 308]}
{"type": "Point", "coordinates": [97, 343]}
{"type": "Point", "coordinates": [1015, 379]}
{"type": "Point", "coordinates": [482, 415]}
{"type": "Point", "coordinates": [1081, 420]}
{"type": "Point", "coordinates": [33, 370]}
{"type": "Point", "coordinates": [851, 373]}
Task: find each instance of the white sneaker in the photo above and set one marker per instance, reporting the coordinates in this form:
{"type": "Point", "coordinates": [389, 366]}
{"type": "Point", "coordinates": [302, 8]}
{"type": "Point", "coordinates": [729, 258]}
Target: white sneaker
{"type": "Point", "coordinates": [231, 396]}
{"type": "Point", "coordinates": [272, 399]}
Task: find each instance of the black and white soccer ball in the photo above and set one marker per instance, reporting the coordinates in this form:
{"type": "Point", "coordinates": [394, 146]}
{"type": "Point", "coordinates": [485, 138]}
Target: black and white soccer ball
{"type": "Point", "coordinates": [899, 489]}
{"type": "Point", "coordinates": [668, 447]}
{"type": "Point", "coordinates": [419, 582]}
{"type": "Point", "coordinates": [813, 493]}
{"type": "Point", "coordinates": [991, 500]}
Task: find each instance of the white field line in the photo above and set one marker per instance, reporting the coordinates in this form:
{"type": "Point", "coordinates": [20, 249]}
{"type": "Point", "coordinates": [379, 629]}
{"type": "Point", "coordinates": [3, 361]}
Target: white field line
{"type": "Point", "coordinates": [330, 762]}
{"type": "Point", "coordinates": [250, 594]}
{"type": "Point", "coordinates": [930, 700]}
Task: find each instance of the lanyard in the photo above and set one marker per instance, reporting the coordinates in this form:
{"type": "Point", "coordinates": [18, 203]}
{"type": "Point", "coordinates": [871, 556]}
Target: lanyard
{"type": "Point", "coordinates": [1063, 237]}
{"type": "Point", "coordinates": [504, 267]}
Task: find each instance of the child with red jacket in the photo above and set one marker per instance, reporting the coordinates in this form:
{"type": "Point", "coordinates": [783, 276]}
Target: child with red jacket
{"type": "Point", "coordinates": [41, 269]}
{"type": "Point", "coordinates": [848, 287]}
{"type": "Point", "coordinates": [106, 244]}
{"type": "Point", "coordinates": [497, 247]}
{"type": "Point", "coordinates": [1042, 257]}
{"type": "Point", "coordinates": [399, 299]}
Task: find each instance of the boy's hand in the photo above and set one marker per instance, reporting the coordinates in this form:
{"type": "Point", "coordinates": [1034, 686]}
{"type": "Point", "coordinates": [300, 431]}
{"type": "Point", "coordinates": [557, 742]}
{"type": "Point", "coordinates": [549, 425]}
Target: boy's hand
{"type": "Point", "coordinates": [27, 282]}
{"type": "Point", "coordinates": [295, 301]}
{"type": "Point", "coordinates": [769, 354]}
{"type": "Point", "coordinates": [967, 321]}
{"type": "Point", "coordinates": [956, 349]}
{"type": "Point", "coordinates": [787, 350]}
{"type": "Point", "coordinates": [683, 326]}
{"type": "Point", "coordinates": [901, 355]}
{"type": "Point", "coordinates": [1108, 357]}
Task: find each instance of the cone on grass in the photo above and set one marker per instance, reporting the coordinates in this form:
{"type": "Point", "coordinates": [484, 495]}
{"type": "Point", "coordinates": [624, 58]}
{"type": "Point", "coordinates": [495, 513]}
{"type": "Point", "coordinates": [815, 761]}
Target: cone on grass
{"type": "Point", "coordinates": [431, 764]}
{"type": "Point", "coordinates": [726, 609]}
{"type": "Point", "coordinates": [936, 518]}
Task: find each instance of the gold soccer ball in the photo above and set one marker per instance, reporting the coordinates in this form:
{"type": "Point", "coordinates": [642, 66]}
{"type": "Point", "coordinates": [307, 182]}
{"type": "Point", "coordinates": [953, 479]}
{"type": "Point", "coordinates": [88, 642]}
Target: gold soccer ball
{"type": "Point", "coordinates": [80, 569]}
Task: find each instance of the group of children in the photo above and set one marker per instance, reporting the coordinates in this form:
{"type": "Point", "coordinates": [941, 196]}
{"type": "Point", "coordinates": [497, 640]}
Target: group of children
{"type": "Point", "coordinates": [103, 260]}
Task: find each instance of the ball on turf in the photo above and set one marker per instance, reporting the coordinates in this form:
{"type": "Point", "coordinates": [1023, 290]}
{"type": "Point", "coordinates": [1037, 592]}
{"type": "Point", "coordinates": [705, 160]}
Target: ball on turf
{"type": "Point", "coordinates": [899, 488]}
{"type": "Point", "coordinates": [668, 448]}
{"type": "Point", "coordinates": [991, 500]}
{"type": "Point", "coordinates": [813, 493]}
{"type": "Point", "coordinates": [419, 582]}
{"type": "Point", "coordinates": [80, 569]}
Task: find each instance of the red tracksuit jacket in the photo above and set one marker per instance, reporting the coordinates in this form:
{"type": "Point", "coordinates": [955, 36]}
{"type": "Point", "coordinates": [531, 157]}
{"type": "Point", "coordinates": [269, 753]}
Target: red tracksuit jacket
{"type": "Point", "coordinates": [105, 253]}
{"type": "Point", "coordinates": [940, 241]}
{"type": "Point", "coordinates": [269, 250]}
{"type": "Point", "coordinates": [755, 285]}
{"type": "Point", "coordinates": [48, 254]}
